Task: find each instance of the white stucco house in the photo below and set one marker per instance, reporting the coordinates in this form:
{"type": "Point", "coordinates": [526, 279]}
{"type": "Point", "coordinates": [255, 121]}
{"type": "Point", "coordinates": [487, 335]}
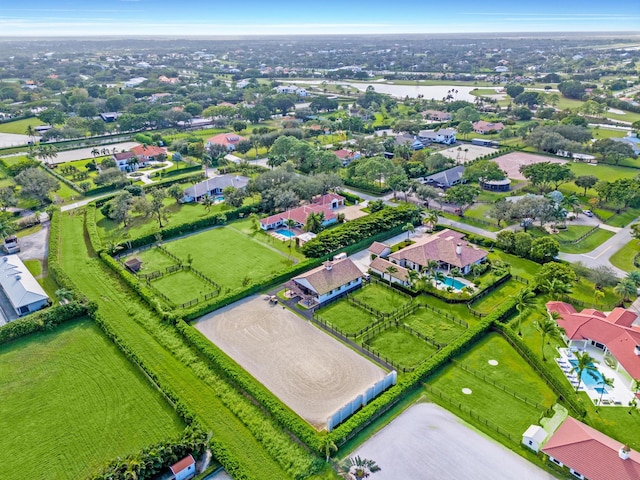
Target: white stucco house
{"type": "Point", "coordinates": [21, 288]}
{"type": "Point", "coordinates": [329, 280]}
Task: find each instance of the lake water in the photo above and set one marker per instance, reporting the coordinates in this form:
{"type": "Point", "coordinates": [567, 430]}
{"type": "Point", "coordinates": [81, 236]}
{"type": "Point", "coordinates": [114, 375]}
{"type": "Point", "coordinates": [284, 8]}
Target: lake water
{"type": "Point", "coordinates": [437, 92]}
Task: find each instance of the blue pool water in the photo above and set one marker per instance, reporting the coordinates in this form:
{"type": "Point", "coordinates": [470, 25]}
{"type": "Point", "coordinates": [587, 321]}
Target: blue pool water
{"type": "Point", "coordinates": [452, 282]}
{"type": "Point", "coordinates": [588, 379]}
{"type": "Point", "coordinates": [285, 233]}
{"type": "Point", "coordinates": [600, 390]}
{"type": "Point", "coordinates": [220, 199]}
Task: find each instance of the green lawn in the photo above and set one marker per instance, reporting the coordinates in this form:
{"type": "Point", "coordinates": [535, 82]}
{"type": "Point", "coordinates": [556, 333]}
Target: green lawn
{"type": "Point", "coordinates": [583, 291]}
{"type": "Point", "coordinates": [594, 240]}
{"type": "Point", "coordinates": [571, 234]}
{"type": "Point", "coordinates": [458, 310]}
{"type": "Point", "coordinates": [153, 259]}
{"type": "Point", "coordinates": [182, 286]}
{"type": "Point", "coordinates": [19, 126]}
{"type": "Point", "coordinates": [434, 326]}
{"type": "Point", "coordinates": [228, 257]}
{"type": "Point", "coordinates": [623, 258]}
{"type": "Point", "coordinates": [346, 316]}
{"type": "Point", "coordinates": [470, 220]}
{"type": "Point", "coordinates": [34, 267]}
{"type": "Point", "coordinates": [401, 347]}
{"type": "Point", "coordinates": [287, 247]}
{"type": "Point", "coordinates": [72, 402]}
{"type": "Point", "coordinates": [381, 297]}
{"type": "Point", "coordinates": [624, 218]}
{"type": "Point", "coordinates": [519, 266]}
{"type": "Point", "coordinates": [490, 302]}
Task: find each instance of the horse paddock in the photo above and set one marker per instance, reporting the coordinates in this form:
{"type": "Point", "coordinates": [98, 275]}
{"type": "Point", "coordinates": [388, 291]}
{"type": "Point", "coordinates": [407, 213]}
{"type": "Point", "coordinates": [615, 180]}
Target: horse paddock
{"type": "Point", "coordinates": [511, 162]}
{"type": "Point", "coordinates": [311, 372]}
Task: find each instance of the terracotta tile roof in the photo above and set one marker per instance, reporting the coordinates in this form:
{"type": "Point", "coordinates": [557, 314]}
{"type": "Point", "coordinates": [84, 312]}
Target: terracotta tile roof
{"type": "Point", "coordinates": [327, 198]}
{"type": "Point", "coordinates": [380, 265]}
{"type": "Point", "coordinates": [441, 247]}
{"type": "Point", "coordinates": [377, 248]}
{"type": "Point", "coordinates": [614, 331]}
{"type": "Point", "coordinates": [226, 139]}
{"type": "Point", "coordinates": [123, 156]}
{"type": "Point", "coordinates": [343, 154]}
{"type": "Point", "coordinates": [148, 150]}
{"type": "Point", "coordinates": [591, 453]}
{"type": "Point", "coordinates": [300, 214]}
{"type": "Point", "coordinates": [482, 126]}
{"type": "Point", "coordinates": [323, 280]}
{"type": "Point", "coordinates": [182, 464]}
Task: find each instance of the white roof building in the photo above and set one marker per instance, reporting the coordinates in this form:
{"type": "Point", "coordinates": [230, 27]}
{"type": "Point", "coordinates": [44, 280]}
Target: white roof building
{"type": "Point", "coordinates": [21, 288]}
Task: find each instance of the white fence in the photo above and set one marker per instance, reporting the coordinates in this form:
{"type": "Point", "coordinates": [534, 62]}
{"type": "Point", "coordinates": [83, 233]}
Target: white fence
{"type": "Point", "coordinates": [361, 400]}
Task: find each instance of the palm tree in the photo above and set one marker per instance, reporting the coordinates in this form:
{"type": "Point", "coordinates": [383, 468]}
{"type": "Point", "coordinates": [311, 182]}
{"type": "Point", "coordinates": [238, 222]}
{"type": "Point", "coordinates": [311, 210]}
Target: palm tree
{"type": "Point", "coordinates": [413, 276]}
{"type": "Point", "coordinates": [95, 152]}
{"type": "Point", "coordinates": [64, 295]}
{"type": "Point", "coordinates": [290, 223]}
{"type": "Point", "coordinates": [597, 295]}
{"type": "Point", "coordinates": [438, 277]}
{"type": "Point", "coordinates": [625, 289]}
{"type": "Point", "coordinates": [409, 228]}
{"type": "Point", "coordinates": [430, 219]}
{"type": "Point", "coordinates": [547, 328]}
{"type": "Point", "coordinates": [30, 132]}
{"type": "Point", "coordinates": [605, 382]}
{"type": "Point", "coordinates": [314, 222]}
{"type": "Point", "coordinates": [557, 288]}
{"type": "Point", "coordinates": [390, 270]}
{"type": "Point", "coordinates": [329, 447]}
{"type": "Point", "coordinates": [524, 301]}
{"type": "Point", "coordinates": [634, 277]}
{"type": "Point", "coordinates": [431, 266]}
{"type": "Point", "coordinates": [356, 468]}
{"type": "Point", "coordinates": [255, 222]}
{"type": "Point", "coordinates": [207, 201]}
{"type": "Point", "coordinates": [586, 363]}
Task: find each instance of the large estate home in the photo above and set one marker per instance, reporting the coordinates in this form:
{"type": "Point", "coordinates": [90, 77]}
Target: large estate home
{"type": "Point", "coordinates": [447, 248]}
{"type": "Point", "coordinates": [125, 161]}
{"type": "Point", "coordinates": [390, 271]}
{"type": "Point", "coordinates": [613, 335]}
{"type": "Point", "coordinates": [325, 204]}
{"type": "Point", "coordinates": [483, 127]}
{"type": "Point", "coordinates": [327, 281]}
{"type": "Point", "coordinates": [213, 186]}
{"type": "Point", "coordinates": [445, 179]}
{"type": "Point", "coordinates": [589, 454]}
{"type": "Point", "coordinates": [444, 135]}
{"type": "Point", "coordinates": [227, 140]}
{"type": "Point", "coordinates": [148, 153]}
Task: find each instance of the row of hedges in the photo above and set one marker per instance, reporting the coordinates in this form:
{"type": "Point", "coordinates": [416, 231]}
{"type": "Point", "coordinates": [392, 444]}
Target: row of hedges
{"type": "Point", "coordinates": [92, 227]}
{"type": "Point", "coordinates": [366, 187]}
{"type": "Point", "coordinates": [170, 181]}
{"type": "Point", "coordinates": [351, 197]}
{"type": "Point", "coordinates": [407, 383]}
{"type": "Point", "coordinates": [564, 391]}
{"type": "Point", "coordinates": [62, 179]}
{"type": "Point", "coordinates": [44, 320]}
{"type": "Point", "coordinates": [334, 239]}
{"type": "Point", "coordinates": [154, 459]}
{"type": "Point", "coordinates": [178, 171]}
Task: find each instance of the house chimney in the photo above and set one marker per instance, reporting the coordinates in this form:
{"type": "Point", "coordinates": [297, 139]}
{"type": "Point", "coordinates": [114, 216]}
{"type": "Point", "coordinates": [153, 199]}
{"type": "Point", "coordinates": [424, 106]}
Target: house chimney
{"type": "Point", "coordinates": [624, 452]}
{"type": "Point", "coordinates": [328, 265]}
{"type": "Point", "coordinates": [459, 249]}
{"type": "Point", "coordinates": [636, 350]}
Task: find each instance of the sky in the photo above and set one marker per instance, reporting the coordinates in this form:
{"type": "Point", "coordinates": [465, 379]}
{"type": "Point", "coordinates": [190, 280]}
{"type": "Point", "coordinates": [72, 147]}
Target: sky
{"type": "Point", "coordinates": [289, 17]}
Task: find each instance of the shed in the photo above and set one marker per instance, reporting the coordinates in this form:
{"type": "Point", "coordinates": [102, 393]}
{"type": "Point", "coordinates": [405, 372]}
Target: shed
{"type": "Point", "coordinates": [534, 437]}
{"type": "Point", "coordinates": [184, 469]}
{"type": "Point", "coordinates": [133, 264]}
{"type": "Point", "coordinates": [503, 185]}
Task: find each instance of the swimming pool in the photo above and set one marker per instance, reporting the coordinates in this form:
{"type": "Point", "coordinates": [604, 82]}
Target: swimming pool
{"type": "Point", "coordinates": [285, 233]}
{"type": "Point", "coordinates": [452, 282]}
{"type": "Point", "coordinates": [588, 377]}
{"type": "Point", "coordinates": [600, 390]}
{"type": "Point", "coordinates": [220, 198]}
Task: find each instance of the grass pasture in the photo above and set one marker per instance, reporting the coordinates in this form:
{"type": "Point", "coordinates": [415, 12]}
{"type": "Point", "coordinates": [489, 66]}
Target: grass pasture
{"type": "Point", "coordinates": [401, 347]}
{"type": "Point", "coordinates": [346, 316]}
{"type": "Point", "coordinates": [490, 302]}
{"type": "Point", "coordinates": [19, 127]}
{"type": "Point", "coordinates": [381, 298]}
{"type": "Point", "coordinates": [182, 286]}
{"type": "Point", "coordinates": [73, 402]}
{"type": "Point", "coordinates": [434, 326]}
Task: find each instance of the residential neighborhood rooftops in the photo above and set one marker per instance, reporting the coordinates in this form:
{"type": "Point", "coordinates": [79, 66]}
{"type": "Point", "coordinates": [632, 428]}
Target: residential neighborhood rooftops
{"type": "Point", "coordinates": [378, 248]}
{"type": "Point", "coordinates": [446, 178]}
{"type": "Point", "coordinates": [591, 453]}
{"type": "Point", "coordinates": [331, 275]}
{"type": "Point", "coordinates": [226, 139]}
{"type": "Point", "coordinates": [216, 183]}
{"type": "Point", "coordinates": [485, 127]}
{"type": "Point", "coordinates": [148, 150]}
{"type": "Point", "coordinates": [380, 264]}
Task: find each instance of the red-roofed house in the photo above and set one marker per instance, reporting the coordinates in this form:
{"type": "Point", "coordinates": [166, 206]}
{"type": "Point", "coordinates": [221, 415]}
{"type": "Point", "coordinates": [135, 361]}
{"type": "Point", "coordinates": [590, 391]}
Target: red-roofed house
{"type": "Point", "coordinates": [184, 469]}
{"type": "Point", "coordinates": [589, 454]}
{"type": "Point", "coordinates": [445, 247]}
{"type": "Point", "coordinates": [126, 161]}
{"type": "Point", "coordinates": [228, 140]}
{"type": "Point", "coordinates": [483, 127]}
{"type": "Point", "coordinates": [346, 156]}
{"type": "Point", "coordinates": [612, 334]}
{"type": "Point", "coordinates": [380, 249]}
{"type": "Point", "coordinates": [147, 153]}
{"type": "Point", "coordinates": [325, 204]}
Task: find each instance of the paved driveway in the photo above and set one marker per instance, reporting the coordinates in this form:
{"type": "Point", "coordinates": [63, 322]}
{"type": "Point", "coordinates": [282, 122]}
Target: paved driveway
{"type": "Point", "coordinates": [427, 441]}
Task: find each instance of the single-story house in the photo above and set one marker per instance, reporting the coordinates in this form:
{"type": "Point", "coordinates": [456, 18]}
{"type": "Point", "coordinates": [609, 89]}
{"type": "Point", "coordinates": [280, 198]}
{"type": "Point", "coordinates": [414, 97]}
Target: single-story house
{"type": "Point", "coordinates": [444, 135]}
{"type": "Point", "coordinates": [292, 90]}
{"type": "Point", "coordinates": [213, 186]}
{"type": "Point", "coordinates": [147, 153]}
{"type": "Point", "coordinates": [346, 156]}
{"type": "Point", "coordinates": [445, 247]}
{"type": "Point", "coordinates": [184, 469]}
{"type": "Point", "coordinates": [329, 280]}
{"type": "Point", "coordinates": [380, 249]}
{"type": "Point", "coordinates": [398, 274]}
{"type": "Point", "coordinates": [109, 117]}
{"type": "Point", "coordinates": [436, 115]}
{"type": "Point", "coordinates": [446, 178]}
{"type": "Point", "coordinates": [325, 204]}
{"type": "Point", "coordinates": [125, 161]}
{"type": "Point", "coordinates": [21, 288]}
{"type": "Point", "coordinates": [632, 140]}
{"type": "Point", "coordinates": [590, 454]}
{"type": "Point", "coordinates": [228, 140]}
{"type": "Point", "coordinates": [483, 127]}
{"type": "Point", "coordinates": [134, 82]}
{"type": "Point", "coordinates": [409, 140]}
{"type": "Point", "coordinates": [484, 143]}
{"type": "Point", "coordinates": [503, 185]}
{"type": "Point", "coordinates": [611, 333]}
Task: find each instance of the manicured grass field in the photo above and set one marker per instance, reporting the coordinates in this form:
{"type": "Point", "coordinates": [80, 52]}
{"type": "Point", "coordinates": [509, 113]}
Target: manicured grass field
{"type": "Point", "coordinates": [434, 326]}
{"type": "Point", "coordinates": [381, 298]}
{"type": "Point", "coordinates": [401, 347]}
{"type": "Point", "coordinates": [153, 259]}
{"type": "Point", "coordinates": [519, 266]}
{"type": "Point", "coordinates": [346, 316]}
{"type": "Point", "coordinates": [573, 233]}
{"type": "Point", "coordinates": [182, 286]}
{"type": "Point", "coordinates": [228, 257]}
{"type": "Point", "coordinates": [490, 302]}
{"type": "Point", "coordinates": [623, 258]}
{"type": "Point", "coordinates": [71, 402]}
{"type": "Point", "coordinates": [458, 310]}
{"type": "Point", "coordinates": [594, 240]}
{"type": "Point", "coordinates": [624, 218]}
{"type": "Point", "coordinates": [19, 126]}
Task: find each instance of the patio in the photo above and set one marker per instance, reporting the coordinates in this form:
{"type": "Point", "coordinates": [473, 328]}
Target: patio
{"type": "Point", "coordinates": [619, 395]}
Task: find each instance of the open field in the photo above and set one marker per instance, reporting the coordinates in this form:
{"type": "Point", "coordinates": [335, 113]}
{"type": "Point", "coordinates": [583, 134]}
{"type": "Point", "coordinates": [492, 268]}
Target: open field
{"type": "Point", "coordinates": [85, 153]}
{"type": "Point", "coordinates": [490, 302]}
{"type": "Point", "coordinates": [511, 162]}
{"type": "Point", "coordinates": [381, 298]}
{"type": "Point", "coordinates": [307, 369]}
{"type": "Point", "coordinates": [13, 140]}
{"type": "Point", "coordinates": [19, 127]}
{"type": "Point", "coordinates": [434, 326]}
{"type": "Point", "coordinates": [401, 347]}
{"type": "Point", "coordinates": [182, 286]}
{"type": "Point", "coordinates": [466, 152]}
{"type": "Point", "coordinates": [427, 438]}
{"type": "Point", "coordinates": [346, 316]}
{"type": "Point", "coordinates": [71, 402]}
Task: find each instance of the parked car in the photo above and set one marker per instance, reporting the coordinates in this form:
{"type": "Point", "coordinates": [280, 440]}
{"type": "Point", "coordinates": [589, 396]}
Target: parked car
{"type": "Point", "coordinates": [588, 213]}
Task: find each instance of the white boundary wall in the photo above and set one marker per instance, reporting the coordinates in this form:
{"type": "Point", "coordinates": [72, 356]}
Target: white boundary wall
{"type": "Point", "coordinates": [361, 400]}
